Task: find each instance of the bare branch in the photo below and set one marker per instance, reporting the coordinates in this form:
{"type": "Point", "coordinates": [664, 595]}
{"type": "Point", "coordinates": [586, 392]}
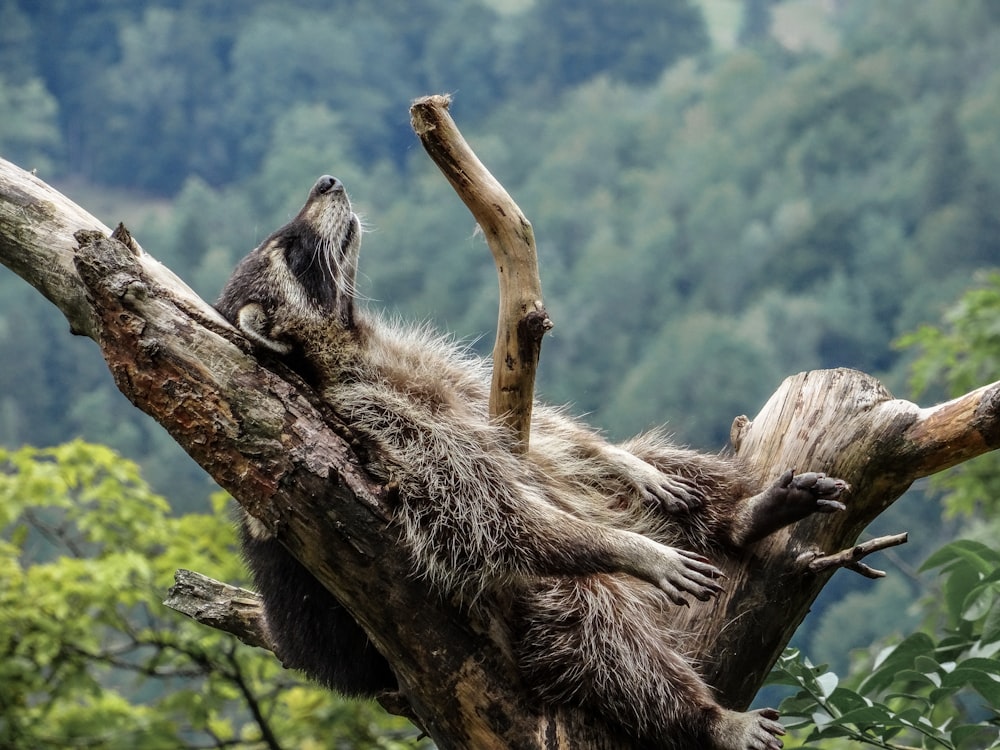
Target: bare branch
{"type": "Point", "coordinates": [956, 431]}
{"type": "Point", "coordinates": [37, 224]}
{"type": "Point", "coordinates": [39, 229]}
{"type": "Point", "coordinates": [522, 320]}
{"type": "Point", "coordinates": [849, 558]}
{"type": "Point", "coordinates": [221, 606]}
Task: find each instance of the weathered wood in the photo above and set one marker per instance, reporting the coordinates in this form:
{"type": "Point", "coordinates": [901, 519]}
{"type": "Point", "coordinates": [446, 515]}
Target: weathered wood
{"type": "Point", "coordinates": [522, 320]}
{"type": "Point", "coordinates": [228, 608]}
{"type": "Point", "coordinates": [847, 424]}
{"type": "Point", "coordinates": [36, 240]}
{"type": "Point", "coordinates": [851, 558]}
{"type": "Point", "coordinates": [955, 431]}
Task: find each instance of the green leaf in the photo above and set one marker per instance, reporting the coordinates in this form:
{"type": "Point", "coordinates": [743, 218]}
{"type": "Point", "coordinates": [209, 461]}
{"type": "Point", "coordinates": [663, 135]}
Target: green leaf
{"type": "Point", "coordinates": [895, 658]}
{"type": "Point", "coordinates": [980, 735]}
{"type": "Point", "coordinates": [981, 557]}
{"type": "Point", "coordinates": [827, 683]}
{"type": "Point", "coordinates": [981, 674]}
{"type": "Point", "coordinates": [961, 581]}
{"type": "Point", "coordinates": [980, 601]}
{"type": "Point", "coordinates": [844, 700]}
{"type": "Point", "coordinates": [874, 715]}
{"type": "Point", "coordinates": [991, 625]}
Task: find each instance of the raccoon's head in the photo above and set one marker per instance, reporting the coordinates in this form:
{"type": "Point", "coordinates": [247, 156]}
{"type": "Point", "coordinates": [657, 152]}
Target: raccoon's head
{"type": "Point", "coordinates": [302, 275]}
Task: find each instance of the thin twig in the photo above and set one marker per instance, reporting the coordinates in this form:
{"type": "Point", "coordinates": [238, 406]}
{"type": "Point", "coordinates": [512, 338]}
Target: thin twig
{"type": "Point", "coordinates": [850, 558]}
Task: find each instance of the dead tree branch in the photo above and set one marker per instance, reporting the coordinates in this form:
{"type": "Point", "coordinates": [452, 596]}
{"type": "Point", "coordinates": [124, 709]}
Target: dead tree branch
{"type": "Point", "coordinates": [956, 431]}
{"type": "Point", "coordinates": [220, 606]}
{"type": "Point", "coordinates": [522, 320]}
{"type": "Point", "coordinates": [850, 558]}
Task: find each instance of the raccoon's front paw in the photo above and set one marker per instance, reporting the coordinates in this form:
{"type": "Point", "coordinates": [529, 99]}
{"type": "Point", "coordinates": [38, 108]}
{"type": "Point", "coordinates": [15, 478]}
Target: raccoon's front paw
{"type": "Point", "coordinates": [679, 573]}
{"type": "Point", "coordinates": [673, 494]}
{"type": "Point", "coordinates": [253, 321]}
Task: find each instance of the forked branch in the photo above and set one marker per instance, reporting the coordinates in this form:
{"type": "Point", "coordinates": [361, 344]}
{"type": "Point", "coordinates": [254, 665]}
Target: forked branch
{"type": "Point", "coordinates": [851, 558]}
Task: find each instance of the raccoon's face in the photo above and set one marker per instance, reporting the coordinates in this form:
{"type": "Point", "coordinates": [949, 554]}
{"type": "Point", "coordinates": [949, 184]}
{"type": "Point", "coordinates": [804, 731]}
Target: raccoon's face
{"type": "Point", "coordinates": [302, 276]}
{"type": "Point", "coordinates": [321, 246]}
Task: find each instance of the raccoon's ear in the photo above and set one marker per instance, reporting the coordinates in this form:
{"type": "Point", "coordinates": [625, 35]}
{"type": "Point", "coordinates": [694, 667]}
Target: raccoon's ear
{"type": "Point", "coordinates": [252, 320]}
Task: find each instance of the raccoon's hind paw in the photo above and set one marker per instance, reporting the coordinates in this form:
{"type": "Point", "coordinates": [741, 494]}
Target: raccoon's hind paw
{"type": "Point", "coordinates": [812, 492]}
{"type": "Point", "coordinates": [754, 730]}
{"type": "Point", "coordinates": [791, 498]}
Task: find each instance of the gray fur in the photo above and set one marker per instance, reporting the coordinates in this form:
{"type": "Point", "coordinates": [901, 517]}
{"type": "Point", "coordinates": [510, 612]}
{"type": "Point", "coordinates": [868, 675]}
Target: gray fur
{"type": "Point", "coordinates": [559, 535]}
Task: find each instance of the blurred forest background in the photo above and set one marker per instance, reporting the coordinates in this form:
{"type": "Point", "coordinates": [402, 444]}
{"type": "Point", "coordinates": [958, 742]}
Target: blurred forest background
{"type": "Point", "coordinates": [723, 193]}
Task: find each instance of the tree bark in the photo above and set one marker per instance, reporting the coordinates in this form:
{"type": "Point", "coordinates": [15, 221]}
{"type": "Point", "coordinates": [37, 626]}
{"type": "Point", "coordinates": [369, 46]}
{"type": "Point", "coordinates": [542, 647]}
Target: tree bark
{"type": "Point", "coordinates": [267, 439]}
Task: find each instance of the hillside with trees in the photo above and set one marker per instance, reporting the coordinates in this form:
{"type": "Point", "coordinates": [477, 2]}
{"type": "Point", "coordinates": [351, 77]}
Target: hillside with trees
{"type": "Point", "coordinates": [709, 219]}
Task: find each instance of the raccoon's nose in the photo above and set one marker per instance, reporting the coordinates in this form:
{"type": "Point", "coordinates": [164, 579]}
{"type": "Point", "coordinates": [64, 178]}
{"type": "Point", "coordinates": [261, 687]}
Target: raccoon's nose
{"type": "Point", "coordinates": [327, 184]}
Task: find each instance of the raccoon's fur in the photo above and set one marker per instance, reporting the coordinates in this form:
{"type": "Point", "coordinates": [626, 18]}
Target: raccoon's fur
{"type": "Point", "coordinates": [571, 534]}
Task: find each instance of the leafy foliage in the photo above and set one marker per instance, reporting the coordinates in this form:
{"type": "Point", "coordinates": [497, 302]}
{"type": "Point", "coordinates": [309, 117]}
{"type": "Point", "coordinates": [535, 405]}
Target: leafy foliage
{"type": "Point", "coordinates": [963, 354]}
{"type": "Point", "coordinates": [937, 689]}
{"type": "Point", "coordinates": [569, 42]}
{"type": "Point", "coordinates": [957, 357]}
{"type": "Point", "coordinates": [89, 657]}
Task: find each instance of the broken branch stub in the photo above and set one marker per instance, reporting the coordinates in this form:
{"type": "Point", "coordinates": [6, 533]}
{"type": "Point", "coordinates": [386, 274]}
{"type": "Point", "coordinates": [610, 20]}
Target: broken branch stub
{"type": "Point", "coordinates": [522, 319]}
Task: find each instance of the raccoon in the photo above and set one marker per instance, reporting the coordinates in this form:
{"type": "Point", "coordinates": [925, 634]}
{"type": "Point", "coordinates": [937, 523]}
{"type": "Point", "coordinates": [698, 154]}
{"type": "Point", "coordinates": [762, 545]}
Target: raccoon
{"type": "Point", "coordinates": [581, 539]}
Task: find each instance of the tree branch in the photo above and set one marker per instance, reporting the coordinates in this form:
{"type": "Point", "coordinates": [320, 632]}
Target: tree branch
{"type": "Point", "coordinates": [956, 431]}
{"type": "Point", "coordinates": [36, 242]}
{"type": "Point", "coordinates": [221, 606]}
{"type": "Point", "coordinates": [522, 320]}
{"type": "Point", "coordinates": [850, 558]}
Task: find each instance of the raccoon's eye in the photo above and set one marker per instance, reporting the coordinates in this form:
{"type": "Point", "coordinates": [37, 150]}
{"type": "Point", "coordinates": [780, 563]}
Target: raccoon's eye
{"type": "Point", "coordinates": [326, 184]}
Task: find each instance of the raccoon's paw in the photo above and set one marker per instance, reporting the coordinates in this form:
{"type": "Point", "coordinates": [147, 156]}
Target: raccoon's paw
{"type": "Point", "coordinates": [679, 573]}
{"type": "Point", "coordinates": [754, 730]}
{"type": "Point", "coordinates": [673, 494]}
{"type": "Point", "coordinates": [791, 498]}
{"type": "Point", "coordinates": [812, 492]}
